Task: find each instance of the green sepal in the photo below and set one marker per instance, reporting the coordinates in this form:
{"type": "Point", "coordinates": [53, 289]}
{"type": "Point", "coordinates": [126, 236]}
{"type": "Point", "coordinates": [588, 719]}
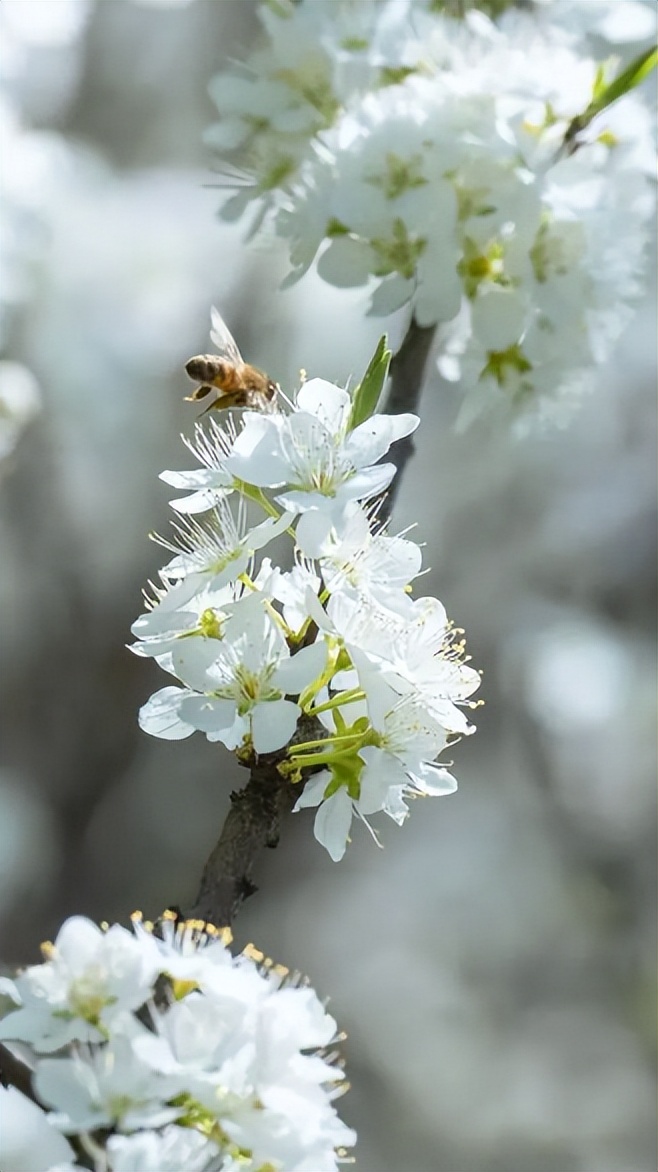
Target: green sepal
{"type": "Point", "coordinates": [604, 95]}
{"type": "Point", "coordinates": [367, 394]}
{"type": "Point", "coordinates": [345, 773]}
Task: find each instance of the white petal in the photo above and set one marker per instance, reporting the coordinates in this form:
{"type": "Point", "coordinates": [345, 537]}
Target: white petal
{"type": "Point", "coordinates": [273, 723]}
{"type": "Point", "coordinates": [191, 659]}
{"type": "Point", "coordinates": [160, 715]}
{"type": "Point", "coordinates": [330, 404]}
{"type": "Point", "coordinates": [305, 665]}
{"type": "Point", "coordinates": [313, 792]}
{"type": "Point", "coordinates": [332, 823]}
{"type": "Point", "coordinates": [372, 439]}
{"type": "Point", "coordinates": [498, 317]}
{"type": "Point", "coordinates": [257, 457]}
{"type": "Point", "coordinates": [433, 779]}
{"type": "Point", "coordinates": [365, 483]}
{"type": "Point", "coordinates": [69, 1086]}
{"type": "Point", "coordinates": [313, 530]}
{"type": "Point", "coordinates": [267, 530]}
{"type": "Point", "coordinates": [392, 294]}
{"type": "Point", "coordinates": [346, 262]}
{"type": "Point", "coordinates": [199, 502]}
{"type": "Point", "coordinates": [208, 713]}
{"type": "Point", "coordinates": [78, 941]}
{"type": "Point", "coordinates": [29, 1142]}
{"type": "Point", "coordinates": [395, 805]}
{"type": "Point", "coordinates": [374, 792]}
{"type": "Point", "coordinates": [381, 773]}
{"type": "Point", "coordinates": [197, 478]}
{"type": "Point", "coordinates": [301, 500]}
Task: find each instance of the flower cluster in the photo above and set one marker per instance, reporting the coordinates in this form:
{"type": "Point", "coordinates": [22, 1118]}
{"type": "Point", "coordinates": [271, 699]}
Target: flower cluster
{"type": "Point", "coordinates": [176, 1054]}
{"type": "Point", "coordinates": [330, 665]}
{"type": "Point", "coordinates": [432, 169]}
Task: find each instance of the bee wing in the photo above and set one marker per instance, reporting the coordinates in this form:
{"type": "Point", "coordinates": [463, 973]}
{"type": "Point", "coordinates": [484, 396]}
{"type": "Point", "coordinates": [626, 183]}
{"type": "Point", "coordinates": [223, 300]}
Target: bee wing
{"type": "Point", "coordinates": [223, 339]}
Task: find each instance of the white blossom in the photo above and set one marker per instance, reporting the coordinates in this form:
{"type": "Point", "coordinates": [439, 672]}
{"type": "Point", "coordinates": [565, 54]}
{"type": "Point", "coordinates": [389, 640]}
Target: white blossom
{"type": "Point", "coordinates": [28, 1142]}
{"type": "Point", "coordinates": [20, 402]}
{"type": "Point", "coordinates": [170, 1150]}
{"type": "Point", "coordinates": [211, 553]}
{"type": "Point", "coordinates": [312, 452]}
{"type": "Point", "coordinates": [109, 1087]}
{"type": "Point", "coordinates": [236, 685]}
{"type": "Point", "coordinates": [370, 562]}
{"type": "Point", "coordinates": [435, 174]}
{"type": "Point", "coordinates": [394, 757]}
{"type": "Point", "coordinates": [211, 483]}
{"type": "Point", "coordinates": [89, 978]}
{"type": "Point", "coordinates": [226, 1064]}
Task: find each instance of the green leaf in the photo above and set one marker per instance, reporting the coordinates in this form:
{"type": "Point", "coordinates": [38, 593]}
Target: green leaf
{"type": "Point", "coordinates": [604, 95]}
{"type": "Point", "coordinates": [366, 395]}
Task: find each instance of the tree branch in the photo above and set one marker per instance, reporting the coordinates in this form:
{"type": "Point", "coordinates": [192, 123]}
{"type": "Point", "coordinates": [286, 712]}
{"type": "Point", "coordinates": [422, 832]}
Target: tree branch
{"type": "Point", "coordinates": [254, 821]}
{"type": "Point", "coordinates": [405, 386]}
{"type": "Point", "coordinates": [14, 1072]}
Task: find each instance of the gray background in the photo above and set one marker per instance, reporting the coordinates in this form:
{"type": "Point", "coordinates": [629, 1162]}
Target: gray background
{"type": "Point", "coordinates": [494, 964]}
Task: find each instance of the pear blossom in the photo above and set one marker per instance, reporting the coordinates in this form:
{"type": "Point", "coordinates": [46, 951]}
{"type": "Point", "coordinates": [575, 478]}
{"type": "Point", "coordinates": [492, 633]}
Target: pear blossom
{"type": "Point", "coordinates": [313, 453]}
{"type": "Point", "coordinates": [236, 686]}
{"type": "Point", "coordinates": [393, 757]}
{"type": "Point", "coordinates": [211, 483]}
{"type": "Point", "coordinates": [175, 612]}
{"type": "Point", "coordinates": [369, 562]}
{"type": "Point", "coordinates": [111, 1087]}
{"type": "Point", "coordinates": [214, 552]}
{"type": "Point", "coordinates": [89, 977]}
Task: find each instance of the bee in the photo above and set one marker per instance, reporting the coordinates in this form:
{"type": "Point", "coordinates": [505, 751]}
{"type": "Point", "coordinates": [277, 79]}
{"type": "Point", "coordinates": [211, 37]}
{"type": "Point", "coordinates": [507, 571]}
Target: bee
{"type": "Point", "coordinates": [237, 383]}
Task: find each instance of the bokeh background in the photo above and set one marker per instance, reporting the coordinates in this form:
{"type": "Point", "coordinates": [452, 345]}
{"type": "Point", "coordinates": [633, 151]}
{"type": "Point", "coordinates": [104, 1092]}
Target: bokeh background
{"type": "Point", "coordinates": [494, 964]}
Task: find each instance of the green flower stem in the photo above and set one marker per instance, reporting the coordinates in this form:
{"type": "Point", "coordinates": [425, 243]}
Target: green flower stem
{"type": "Point", "coordinates": [349, 697]}
{"type": "Point", "coordinates": [255, 494]}
{"type": "Point", "coordinates": [325, 741]}
{"type": "Point", "coordinates": [309, 760]}
{"type": "Point", "coordinates": [308, 695]}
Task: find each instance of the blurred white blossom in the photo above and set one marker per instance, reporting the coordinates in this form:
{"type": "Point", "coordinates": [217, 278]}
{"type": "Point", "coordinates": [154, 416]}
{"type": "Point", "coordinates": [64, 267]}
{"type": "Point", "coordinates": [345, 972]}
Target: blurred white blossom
{"type": "Point", "coordinates": [20, 402]}
{"type": "Point", "coordinates": [28, 1142]}
{"type": "Point", "coordinates": [212, 1063]}
{"type": "Point", "coordinates": [423, 157]}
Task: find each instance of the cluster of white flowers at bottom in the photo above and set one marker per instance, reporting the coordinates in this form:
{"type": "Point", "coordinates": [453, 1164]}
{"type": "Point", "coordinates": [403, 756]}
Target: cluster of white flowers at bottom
{"type": "Point", "coordinates": [172, 1054]}
{"type": "Point", "coordinates": [331, 666]}
{"type": "Point", "coordinates": [434, 172]}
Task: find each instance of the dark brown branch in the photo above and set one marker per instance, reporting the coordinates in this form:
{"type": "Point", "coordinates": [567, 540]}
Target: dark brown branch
{"type": "Point", "coordinates": [405, 386]}
{"type": "Point", "coordinates": [253, 822]}
{"type": "Point", "coordinates": [14, 1072]}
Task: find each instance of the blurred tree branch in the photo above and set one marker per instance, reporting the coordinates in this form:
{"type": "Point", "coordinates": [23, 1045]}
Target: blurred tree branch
{"type": "Point", "coordinates": [405, 387]}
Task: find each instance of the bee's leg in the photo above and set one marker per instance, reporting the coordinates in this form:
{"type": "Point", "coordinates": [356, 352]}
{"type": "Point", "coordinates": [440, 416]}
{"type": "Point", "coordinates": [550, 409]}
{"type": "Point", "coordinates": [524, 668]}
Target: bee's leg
{"type": "Point", "coordinates": [199, 393]}
{"type": "Point", "coordinates": [228, 399]}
